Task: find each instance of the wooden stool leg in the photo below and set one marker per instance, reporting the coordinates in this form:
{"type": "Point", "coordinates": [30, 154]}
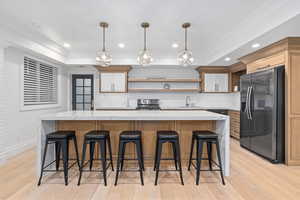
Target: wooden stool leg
{"type": "Point", "coordinates": [110, 153]}
{"type": "Point", "coordinates": [92, 149]}
{"type": "Point", "coordinates": [220, 161]}
{"type": "Point", "coordinates": [43, 162]}
{"type": "Point", "coordinates": [199, 158]}
{"type": "Point", "coordinates": [140, 157]}
{"type": "Point", "coordinates": [191, 153]}
{"type": "Point", "coordinates": [179, 160]}
{"type": "Point", "coordinates": [160, 143]}
{"type": "Point", "coordinates": [82, 161]}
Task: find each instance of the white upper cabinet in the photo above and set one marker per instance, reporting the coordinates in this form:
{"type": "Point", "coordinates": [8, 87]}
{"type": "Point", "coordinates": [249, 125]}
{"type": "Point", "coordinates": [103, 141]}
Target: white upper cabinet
{"type": "Point", "coordinates": [216, 82]}
{"type": "Point", "coordinates": [113, 82]}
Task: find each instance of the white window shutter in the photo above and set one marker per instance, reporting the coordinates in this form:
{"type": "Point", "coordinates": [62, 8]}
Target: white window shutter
{"type": "Point", "coordinates": [40, 83]}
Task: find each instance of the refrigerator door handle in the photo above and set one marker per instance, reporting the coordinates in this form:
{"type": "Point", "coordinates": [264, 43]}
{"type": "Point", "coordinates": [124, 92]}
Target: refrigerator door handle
{"type": "Point", "coordinates": [249, 106]}
{"type": "Point", "coordinates": [247, 103]}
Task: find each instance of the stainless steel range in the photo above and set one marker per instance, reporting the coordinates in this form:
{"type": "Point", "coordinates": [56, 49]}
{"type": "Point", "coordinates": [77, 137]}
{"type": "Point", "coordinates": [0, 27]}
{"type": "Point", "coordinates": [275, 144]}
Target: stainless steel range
{"type": "Point", "coordinates": [148, 104]}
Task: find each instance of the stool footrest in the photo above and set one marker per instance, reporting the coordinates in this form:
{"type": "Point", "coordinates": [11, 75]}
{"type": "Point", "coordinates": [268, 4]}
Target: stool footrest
{"type": "Point", "coordinates": [54, 162]}
{"type": "Point", "coordinates": [130, 159]}
{"type": "Point", "coordinates": [208, 170]}
{"type": "Point", "coordinates": [130, 170]}
{"type": "Point", "coordinates": [169, 170]}
{"type": "Point", "coordinates": [167, 159]}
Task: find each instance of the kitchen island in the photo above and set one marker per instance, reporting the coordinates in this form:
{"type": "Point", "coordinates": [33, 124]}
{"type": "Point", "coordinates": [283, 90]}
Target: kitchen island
{"type": "Point", "coordinates": [183, 121]}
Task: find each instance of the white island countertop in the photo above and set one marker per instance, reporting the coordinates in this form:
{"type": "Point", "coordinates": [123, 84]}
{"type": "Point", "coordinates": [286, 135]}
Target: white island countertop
{"type": "Point", "coordinates": [136, 115]}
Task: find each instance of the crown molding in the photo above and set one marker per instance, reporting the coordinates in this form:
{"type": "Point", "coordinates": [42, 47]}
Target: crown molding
{"type": "Point", "coordinates": [286, 44]}
{"type": "Point", "coordinates": [236, 67]}
{"type": "Point", "coordinates": [12, 38]}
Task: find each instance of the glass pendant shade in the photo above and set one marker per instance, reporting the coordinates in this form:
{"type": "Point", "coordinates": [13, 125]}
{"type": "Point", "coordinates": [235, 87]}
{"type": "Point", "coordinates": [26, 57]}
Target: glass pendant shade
{"type": "Point", "coordinates": [103, 58]}
{"type": "Point", "coordinates": [144, 56]}
{"type": "Point", "coordinates": [185, 58]}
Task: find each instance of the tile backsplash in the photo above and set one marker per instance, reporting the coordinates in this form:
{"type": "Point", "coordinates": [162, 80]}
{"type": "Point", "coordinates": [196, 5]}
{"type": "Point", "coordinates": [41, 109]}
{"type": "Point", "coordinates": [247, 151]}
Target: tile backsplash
{"type": "Point", "coordinates": [228, 100]}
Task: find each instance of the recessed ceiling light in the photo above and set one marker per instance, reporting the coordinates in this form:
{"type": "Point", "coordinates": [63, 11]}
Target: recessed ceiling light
{"type": "Point", "coordinates": [67, 45]}
{"type": "Point", "coordinates": [227, 59]}
{"type": "Point", "coordinates": [175, 45]}
{"type": "Point", "coordinates": [255, 45]}
{"type": "Point", "coordinates": [121, 45]}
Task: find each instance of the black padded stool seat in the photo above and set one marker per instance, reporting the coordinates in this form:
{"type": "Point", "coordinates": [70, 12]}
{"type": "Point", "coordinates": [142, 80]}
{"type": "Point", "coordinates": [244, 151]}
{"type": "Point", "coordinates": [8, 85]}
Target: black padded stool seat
{"type": "Point", "coordinates": [99, 134]}
{"type": "Point", "coordinates": [61, 134]}
{"type": "Point", "coordinates": [205, 134]}
{"type": "Point", "coordinates": [130, 135]}
{"type": "Point", "coordinates": [167, 134]}
{"type": "Point", "coordinates": [92, 138]}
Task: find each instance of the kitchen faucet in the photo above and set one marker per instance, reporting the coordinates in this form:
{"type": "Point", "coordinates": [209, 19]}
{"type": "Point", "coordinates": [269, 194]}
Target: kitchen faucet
{"type": "Point", "coordinates": [187, 101]}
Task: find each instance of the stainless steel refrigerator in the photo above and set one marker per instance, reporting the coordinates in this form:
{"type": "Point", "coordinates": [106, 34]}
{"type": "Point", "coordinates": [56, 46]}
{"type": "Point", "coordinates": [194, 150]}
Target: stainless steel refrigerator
{"type": "Point", "coordinates": [262, 113]}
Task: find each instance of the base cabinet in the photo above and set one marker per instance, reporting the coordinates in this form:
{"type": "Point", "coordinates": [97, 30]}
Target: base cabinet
{"type": "Point", "coordinates": [234, 124]}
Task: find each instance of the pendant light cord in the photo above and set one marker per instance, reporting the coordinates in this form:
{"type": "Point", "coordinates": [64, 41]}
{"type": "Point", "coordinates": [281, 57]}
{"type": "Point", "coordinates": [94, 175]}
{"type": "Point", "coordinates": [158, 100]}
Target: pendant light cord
{"type": "Point", "coordinates": [103, 49]}
{"type": "Point", "coordinates": [185, 40]}
{"type": "Point", "coordinates": [145, 47]}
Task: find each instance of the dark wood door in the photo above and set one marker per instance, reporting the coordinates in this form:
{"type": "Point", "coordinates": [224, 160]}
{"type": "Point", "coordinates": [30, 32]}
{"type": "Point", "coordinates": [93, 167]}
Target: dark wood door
{"type": "Point", "coordinates": [82, 92]}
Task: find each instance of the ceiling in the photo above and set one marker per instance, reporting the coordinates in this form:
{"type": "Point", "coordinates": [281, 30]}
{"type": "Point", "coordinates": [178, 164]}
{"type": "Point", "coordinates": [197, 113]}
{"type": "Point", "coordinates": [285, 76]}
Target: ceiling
{"type": "Point", "coordinates": [219, 28]}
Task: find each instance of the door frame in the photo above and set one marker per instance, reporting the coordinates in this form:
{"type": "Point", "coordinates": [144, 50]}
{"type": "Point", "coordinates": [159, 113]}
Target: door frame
{"type": "Point", "coordinates": [73, 77]}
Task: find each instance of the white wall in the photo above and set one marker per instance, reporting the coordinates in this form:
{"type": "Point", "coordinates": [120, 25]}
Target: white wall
{"type": "Point", "coordinates": [21, 127]}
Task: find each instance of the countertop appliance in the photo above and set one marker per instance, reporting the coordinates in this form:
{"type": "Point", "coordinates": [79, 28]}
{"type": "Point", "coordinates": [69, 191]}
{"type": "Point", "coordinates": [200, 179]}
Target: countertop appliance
{"type": "Point", "coordinates": [148, 104]}
{"type": "Point", "coordinates": [262, 113]}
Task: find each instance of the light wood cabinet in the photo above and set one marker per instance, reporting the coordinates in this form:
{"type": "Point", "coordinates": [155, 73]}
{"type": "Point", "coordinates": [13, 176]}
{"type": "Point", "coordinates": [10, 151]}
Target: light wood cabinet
{"type": "Point", "coordinates": [234, 124]}
{"type": "Point", "coordinates": [236, 70]}
{"type": "Point", "coordinates": [215, 82]}
{"type": "Point", "coordinates": [113, 79]}
{"type": "Point", "coordinates": [284, 52]}
{"type": "Point", "coordinates": [215, 79]}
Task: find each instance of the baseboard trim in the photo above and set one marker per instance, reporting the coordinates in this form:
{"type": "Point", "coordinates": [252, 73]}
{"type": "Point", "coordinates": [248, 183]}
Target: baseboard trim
{"type": "Point", "coordinates": [16, 149]}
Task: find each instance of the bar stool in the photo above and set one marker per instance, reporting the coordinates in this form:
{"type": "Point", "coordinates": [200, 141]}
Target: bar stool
{"type": "Point", "coordinates": [173, 138]}
{"type": "Point", "coordinates": [130, 137]}
{"type": "Point", "coordinates": [210, 138]}
{"type": "Point", "coordinates": [101, 137]}
{"type": "Point", "coordinates": [61, 140]}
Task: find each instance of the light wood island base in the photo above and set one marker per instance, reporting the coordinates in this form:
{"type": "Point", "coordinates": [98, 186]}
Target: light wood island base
{"type": "Point", "coordinates": [148, 128]}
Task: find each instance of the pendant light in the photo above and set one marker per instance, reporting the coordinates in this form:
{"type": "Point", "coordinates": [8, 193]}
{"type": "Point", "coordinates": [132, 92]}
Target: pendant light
{"type": "Point", "coordinates": [185, 57]}
{"type": "Point", "coordinates": [103, 58]}
{"type": "Point", "coordinates": [144, 57]}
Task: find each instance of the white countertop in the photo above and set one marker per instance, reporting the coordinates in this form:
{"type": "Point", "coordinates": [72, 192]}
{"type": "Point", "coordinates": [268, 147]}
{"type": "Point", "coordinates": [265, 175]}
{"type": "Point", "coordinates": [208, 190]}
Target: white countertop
{"type": "Point", "coordinates": [136, 115]}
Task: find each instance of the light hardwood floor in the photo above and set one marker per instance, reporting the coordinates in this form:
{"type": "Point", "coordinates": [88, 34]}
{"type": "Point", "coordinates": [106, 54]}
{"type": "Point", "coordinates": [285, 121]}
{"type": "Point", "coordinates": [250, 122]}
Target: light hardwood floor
{"type": "Point", "coordinates": [251, 178]}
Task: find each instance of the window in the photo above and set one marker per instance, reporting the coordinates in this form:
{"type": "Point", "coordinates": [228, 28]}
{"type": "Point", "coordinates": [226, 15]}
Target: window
{"type": "Point", "coordinates": [40, 83]}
